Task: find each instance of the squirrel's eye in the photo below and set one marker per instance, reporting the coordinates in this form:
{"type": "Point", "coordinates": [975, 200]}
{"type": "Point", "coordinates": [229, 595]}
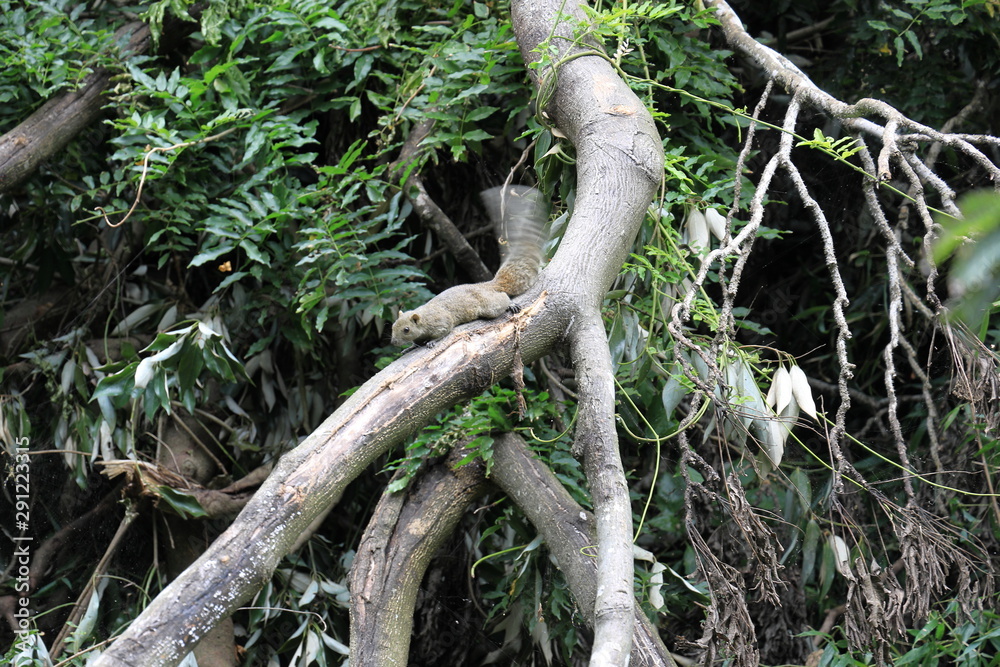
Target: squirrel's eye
{"type": "Point", "coordinates": [406, 329]}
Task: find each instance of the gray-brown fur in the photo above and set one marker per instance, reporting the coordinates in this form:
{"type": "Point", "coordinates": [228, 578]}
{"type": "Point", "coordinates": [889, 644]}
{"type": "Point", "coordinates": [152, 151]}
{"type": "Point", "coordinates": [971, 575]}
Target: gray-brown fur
{"type": "Point", "coordinates": [520, 217]}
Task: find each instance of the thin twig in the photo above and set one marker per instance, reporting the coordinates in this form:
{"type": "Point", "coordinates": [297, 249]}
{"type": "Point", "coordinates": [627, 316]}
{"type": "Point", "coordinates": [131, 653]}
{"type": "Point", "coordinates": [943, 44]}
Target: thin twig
{"type": "Point", "coordinates": [145, 169]}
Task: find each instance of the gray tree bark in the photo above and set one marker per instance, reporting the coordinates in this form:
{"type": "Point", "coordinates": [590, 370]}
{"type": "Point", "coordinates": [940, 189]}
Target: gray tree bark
{"type": "Point", "coordinates": [568, 530]}
{"type": "Point", "coordinates": [405, 531]}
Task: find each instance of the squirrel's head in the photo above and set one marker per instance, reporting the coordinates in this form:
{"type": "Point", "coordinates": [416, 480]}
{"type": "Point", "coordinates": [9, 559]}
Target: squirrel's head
{"type": "Point", "coordinates": [406, 328]}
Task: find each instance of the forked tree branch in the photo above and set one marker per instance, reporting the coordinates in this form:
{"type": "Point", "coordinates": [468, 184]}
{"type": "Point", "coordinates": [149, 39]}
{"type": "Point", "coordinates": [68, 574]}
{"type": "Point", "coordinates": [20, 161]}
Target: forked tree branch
{"type": "Point", "coordinates": [620, 163]}
{"type": "Point", "coordinates": [569, 533]}
{"type": "Point", "coordinates": [407, 526]}
{"type": "Point", "coordinates": [597, 112]}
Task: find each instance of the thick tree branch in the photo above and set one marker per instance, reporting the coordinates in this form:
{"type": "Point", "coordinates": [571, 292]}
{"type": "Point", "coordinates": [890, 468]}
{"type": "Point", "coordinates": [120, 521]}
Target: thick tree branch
{"type": "Point", "coordinates": [50, 128]}
{"type": "Point", "coordinates": [592, 105]}
{"type": "Point", "coordinates": [405, 531]}
{"type": "Point", "coordinates": [598, 439]}
{"type": "Point", "coordinates": [569, 535]}
{"type": "Point", "coordinates": [408, 527]}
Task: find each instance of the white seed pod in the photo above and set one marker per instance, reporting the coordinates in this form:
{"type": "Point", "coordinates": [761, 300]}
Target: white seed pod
{"type": "Point", "coordinates": [144, 372]}
{"type": "Point", "coordinates": [770, 434]}
{"type": "Point", "coordinates": [756, 416]}
{"type": "Point", "coordinates": [802, 392]}
{"type": "Point", "coordinates": [70, 454]}
{"type": "Point", "coordinates": [696, 229]}
{"type": "Point", "coordinates": [716, 223]}
{"type": "Point", "coordinates": [788, 418]}
{"type": "Point", "coordinates": [780, 393]}
{"type": "Point", "coordinates": [841, 554]}
{"type": "Point", "coordinates": [748, 394]}
{"type": "Point", "coordinates": [656, 569]}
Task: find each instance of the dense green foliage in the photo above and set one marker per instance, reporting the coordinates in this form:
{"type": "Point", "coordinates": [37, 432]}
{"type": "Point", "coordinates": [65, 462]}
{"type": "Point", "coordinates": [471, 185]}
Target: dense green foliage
{"type": "Point", "coordinates": [272, 243]}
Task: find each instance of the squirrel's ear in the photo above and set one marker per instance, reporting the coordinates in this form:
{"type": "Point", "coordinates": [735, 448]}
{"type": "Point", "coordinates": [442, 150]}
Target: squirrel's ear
{"type": "Point", "coordinates": [415, 318]}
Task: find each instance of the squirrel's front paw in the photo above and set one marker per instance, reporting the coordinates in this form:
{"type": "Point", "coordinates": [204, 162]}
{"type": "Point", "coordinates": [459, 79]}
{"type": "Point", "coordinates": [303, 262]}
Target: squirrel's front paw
{"type": "Point", "coordinates": [417, 346]}
{"type": "Point", "coordinates": [514, 308]}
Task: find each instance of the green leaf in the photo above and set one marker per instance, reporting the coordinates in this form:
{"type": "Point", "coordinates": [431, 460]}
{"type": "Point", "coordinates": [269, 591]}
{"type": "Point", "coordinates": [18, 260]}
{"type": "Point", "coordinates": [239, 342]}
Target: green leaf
{"type": "Point", "coordinates": [115, 385]}
{"type": "Point", "coordinates": [915, 43]}
{"type": "Point", "coordinates": [477, 135]}
{"type": "Point", "coordinates": [213, 253]}
{"type": "Point", "coordinates": [189, 367]}
{"type": "Point", "coordinates": [479, 113]}
{"type": "Point", "coordinates": [254, 252]}
{"type": "Point", "coordinates": [803, 488]}
{"type": "Point", "coordinates": [810, 548]}
{"type": "Point", "coordinates": [184, 504]}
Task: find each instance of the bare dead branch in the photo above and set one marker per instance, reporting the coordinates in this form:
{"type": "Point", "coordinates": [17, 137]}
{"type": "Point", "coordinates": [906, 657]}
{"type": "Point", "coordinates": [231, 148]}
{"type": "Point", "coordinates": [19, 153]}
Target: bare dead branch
{"type": "Point", "coordinates": [876, 600]}
{"type": "Point", "coordinates": [779, 68]}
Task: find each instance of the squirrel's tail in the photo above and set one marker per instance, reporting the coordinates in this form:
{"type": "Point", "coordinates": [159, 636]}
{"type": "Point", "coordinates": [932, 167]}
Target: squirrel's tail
{"type": "Point", "coordinates": [520, 216]}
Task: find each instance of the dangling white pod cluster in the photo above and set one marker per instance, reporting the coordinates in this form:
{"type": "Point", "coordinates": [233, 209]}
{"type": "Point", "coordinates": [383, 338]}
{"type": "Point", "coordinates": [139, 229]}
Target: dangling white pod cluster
{"type": "Point", "coordinates": [750, 413]}
{"type": "Point", "coordinates": [769, 419]}
{"type": "Point", "coordinates": [789, 394]}
{"type": "Point", "coordinates": [700, 226]}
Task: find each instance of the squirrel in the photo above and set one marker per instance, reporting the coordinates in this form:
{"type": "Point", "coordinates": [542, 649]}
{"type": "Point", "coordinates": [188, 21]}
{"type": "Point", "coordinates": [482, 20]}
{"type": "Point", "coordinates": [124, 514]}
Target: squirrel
{"type": "Point", "coordinates": [520, 216]}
